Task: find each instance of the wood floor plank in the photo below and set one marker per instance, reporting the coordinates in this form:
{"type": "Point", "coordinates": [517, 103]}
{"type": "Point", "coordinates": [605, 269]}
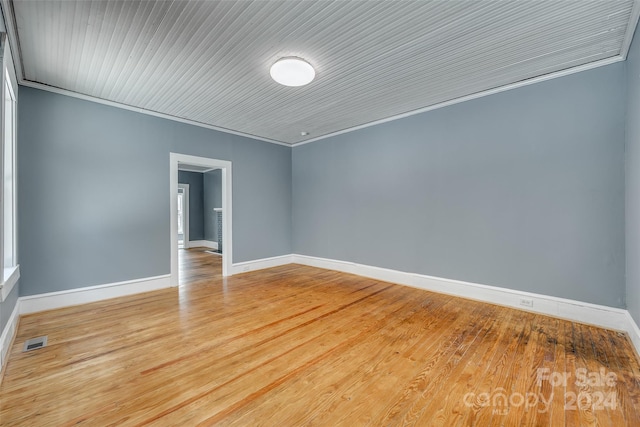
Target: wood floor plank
{"type": "Point", "coordinates": [599, 363]}
{"type": "Point", "coordinates": [581, 403]}
{"type": "Point", "coordinates": [451, 409]}
{"type": "Point", "coordinates": [572, 415]}
{"type": "Point", "coordinates": [623, 389]}
{"type": "Point", "coordinates": [552, 392]}
{"type": "Point", "coordinates": [297, 345]}
{"type": "Point", "coordinates": [536, 390]}
{"type": "Point", "coordinates": [478, 396]}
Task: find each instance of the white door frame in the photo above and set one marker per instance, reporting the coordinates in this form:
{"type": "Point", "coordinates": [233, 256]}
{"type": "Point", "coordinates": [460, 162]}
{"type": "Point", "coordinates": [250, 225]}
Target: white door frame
{"type": "Point", "coordinates": [227, 229]}
{"type": "Point", "coordinates": [185, 213]}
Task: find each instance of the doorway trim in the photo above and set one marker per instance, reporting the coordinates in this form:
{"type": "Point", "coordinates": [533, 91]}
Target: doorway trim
{"type": "Point", "coordinates": [185, 213]}
{"type": "Point", "coordinates": [227, 255]}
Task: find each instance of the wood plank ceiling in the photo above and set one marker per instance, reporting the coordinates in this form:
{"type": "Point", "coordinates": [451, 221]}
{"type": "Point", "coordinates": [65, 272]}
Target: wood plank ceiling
{"type": "Point", "coordinates": [208, 61]}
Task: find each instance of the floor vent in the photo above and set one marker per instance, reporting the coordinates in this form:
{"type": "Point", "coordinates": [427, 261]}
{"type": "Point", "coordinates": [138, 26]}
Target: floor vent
{"type": "Point", "coordinates": [34, 343]}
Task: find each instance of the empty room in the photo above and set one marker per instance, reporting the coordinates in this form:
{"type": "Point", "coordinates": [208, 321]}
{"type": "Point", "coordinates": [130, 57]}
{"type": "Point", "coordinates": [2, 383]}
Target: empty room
{"type": "Point", "coordinates": [329, 213]}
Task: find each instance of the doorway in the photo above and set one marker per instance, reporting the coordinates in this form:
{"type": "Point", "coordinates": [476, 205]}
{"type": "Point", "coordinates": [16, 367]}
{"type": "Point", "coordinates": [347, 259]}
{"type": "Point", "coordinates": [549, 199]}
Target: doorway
{"type": "Point", "coordinates": [175, 161]}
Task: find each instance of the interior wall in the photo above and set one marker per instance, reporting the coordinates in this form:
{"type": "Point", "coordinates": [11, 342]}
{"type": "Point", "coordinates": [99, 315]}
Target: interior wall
{"type": "Point", "coordinates": [93, 184]}
{"type": "Point", "coordinates": [196, 202]}
{"type": "Point", "coordinates": [523, 189]}
{"type": "Point", "coordinates": [633, 180]}
{"type": "Point", "coordinates": [212, 199]}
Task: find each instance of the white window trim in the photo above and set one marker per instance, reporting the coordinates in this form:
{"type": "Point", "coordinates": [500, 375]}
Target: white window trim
{"type": "Point", "coordinates": [10, 274]}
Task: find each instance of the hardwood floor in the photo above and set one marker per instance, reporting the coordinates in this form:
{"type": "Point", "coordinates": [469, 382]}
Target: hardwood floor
{"type": "Point", "coordinates": [296, 345]}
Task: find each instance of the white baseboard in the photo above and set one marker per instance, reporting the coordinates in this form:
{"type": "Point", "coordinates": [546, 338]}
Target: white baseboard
{"type": "Point", "coordinates": [53, 300]}
{"type": "Point", "coordinates": [259, 264]}
{"type": "Point", "coordinates": [203, 244]}
{"type": "Point", "coordinates": [8, 334]}
{"type": "Point", "coordinates": [598, 315]}
{"type": "Point", "coordinates": [634, 332]}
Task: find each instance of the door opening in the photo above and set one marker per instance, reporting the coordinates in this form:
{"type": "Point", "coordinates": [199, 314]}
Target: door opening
{"type": "Point", "coordinates": [181, 162]}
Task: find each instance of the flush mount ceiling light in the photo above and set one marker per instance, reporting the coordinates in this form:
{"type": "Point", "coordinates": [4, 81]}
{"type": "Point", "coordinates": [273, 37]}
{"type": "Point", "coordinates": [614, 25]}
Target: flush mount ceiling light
{"type": "Point", "coordinates": [292, 71]}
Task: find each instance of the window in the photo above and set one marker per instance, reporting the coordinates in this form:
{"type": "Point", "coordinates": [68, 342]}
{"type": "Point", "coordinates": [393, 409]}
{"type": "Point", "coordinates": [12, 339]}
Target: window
{"type": "Point", "coordinates": [9, 142]}
{"type": "Point", "coordinates": [180, 211]}
{"type": "Point", "coordinates": [8, 135]}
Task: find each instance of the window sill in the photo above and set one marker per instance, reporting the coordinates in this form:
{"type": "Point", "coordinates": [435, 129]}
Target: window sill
{"type": "Point", "coordinates": [11, 276]}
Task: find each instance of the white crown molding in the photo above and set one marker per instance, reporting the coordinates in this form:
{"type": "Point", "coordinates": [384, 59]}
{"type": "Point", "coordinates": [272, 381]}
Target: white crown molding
{"type": "Point", "coordinates": [477, 95]}
{"type": "Point", "coordinates": [89, 98]}
{"type": "Point", "coordinates": [631, 29]}
{"type": "Point", "coordinates": [499, 89]}
{"type": "Point", "coordinates": [8, 335]}
{"type": "Point", "coordinates": [577, 311]}
{"type": "Point", "coordinates": [53, 300]}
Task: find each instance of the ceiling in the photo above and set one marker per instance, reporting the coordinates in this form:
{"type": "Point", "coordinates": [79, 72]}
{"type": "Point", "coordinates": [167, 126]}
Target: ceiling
{"type": "Point", "coordinates": [208, 61]}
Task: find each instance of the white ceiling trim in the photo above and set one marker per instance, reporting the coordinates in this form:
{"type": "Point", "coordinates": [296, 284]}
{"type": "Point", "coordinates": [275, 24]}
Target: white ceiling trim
{"type": "Point", "coordinates": [504, 88]}
{"type": "Point", "coordinates": [65, 92]}
{"type": "Point", "coordinates": [631, 29]}
{"type": "Point", "coordinates": [499, 89]}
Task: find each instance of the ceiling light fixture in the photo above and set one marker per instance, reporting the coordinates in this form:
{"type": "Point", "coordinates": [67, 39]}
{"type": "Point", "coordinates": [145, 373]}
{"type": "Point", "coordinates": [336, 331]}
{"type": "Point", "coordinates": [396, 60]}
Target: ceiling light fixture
{"type": "Point", "coordinates": [292, 71]}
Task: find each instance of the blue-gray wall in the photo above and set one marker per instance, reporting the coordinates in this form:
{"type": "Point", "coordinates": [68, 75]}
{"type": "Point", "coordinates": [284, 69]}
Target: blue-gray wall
{"type": "Point", "coordinates": [212, 199]}
{"type": "Point", "coordinates": [94, 192]}
{"type": "Point", "coordinates": [196, 202]}
{"type": "Point", "coordinates": [523, 189]}
{"type": "Point", "coordinates": [633, 180]}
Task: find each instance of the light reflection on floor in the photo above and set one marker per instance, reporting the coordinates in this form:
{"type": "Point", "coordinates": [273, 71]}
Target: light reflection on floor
{"type": "Point", "coordinates": [197, 268]}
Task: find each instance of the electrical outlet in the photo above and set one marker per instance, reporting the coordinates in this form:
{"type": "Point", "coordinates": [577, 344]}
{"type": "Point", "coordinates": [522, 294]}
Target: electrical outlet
{"type": "Point", "coordinates": [526, 302]}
